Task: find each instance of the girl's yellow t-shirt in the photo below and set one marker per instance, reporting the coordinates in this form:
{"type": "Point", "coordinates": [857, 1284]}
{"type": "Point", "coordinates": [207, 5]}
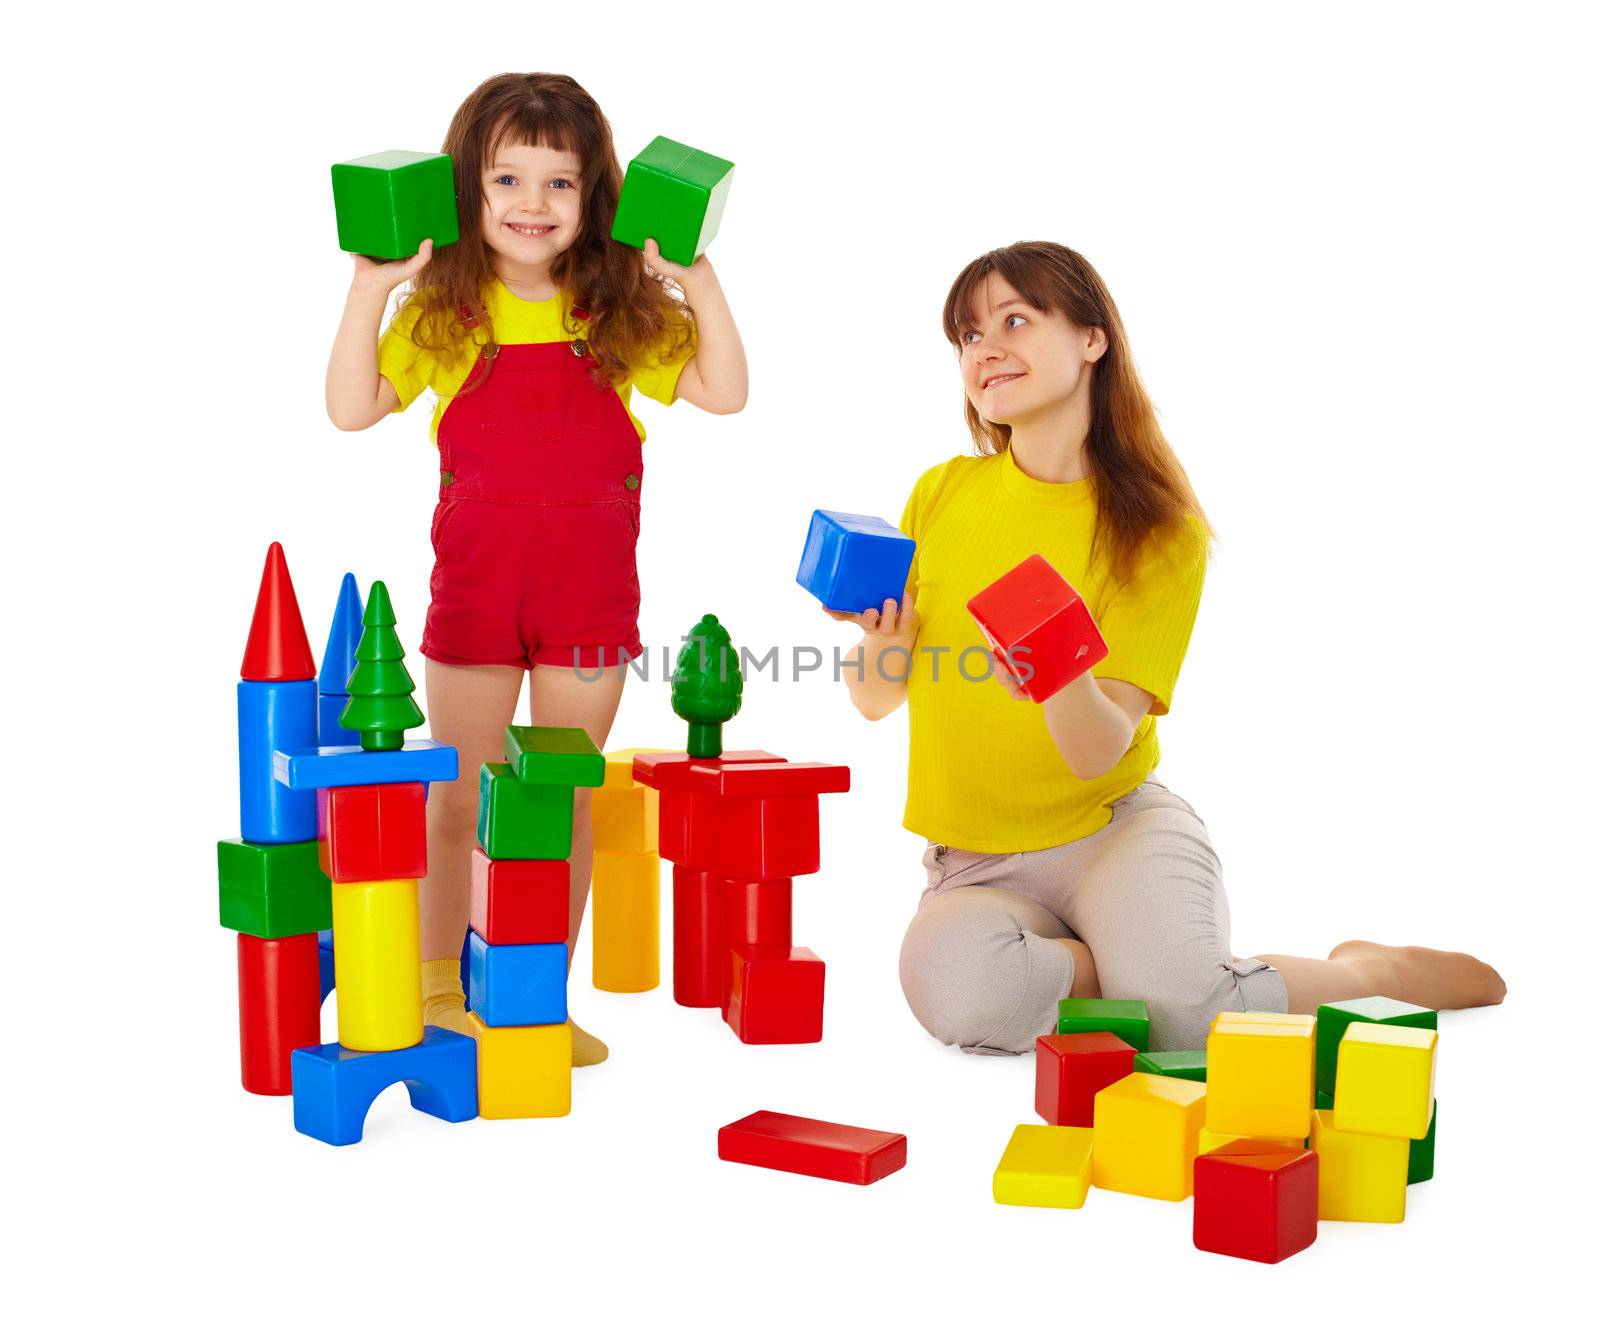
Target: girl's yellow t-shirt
{"type": "Point", "coordinates": [984, 773]}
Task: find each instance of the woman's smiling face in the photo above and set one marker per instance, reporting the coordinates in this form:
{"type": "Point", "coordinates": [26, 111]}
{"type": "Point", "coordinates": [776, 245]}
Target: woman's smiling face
{"type": "Point", "coordinates": [1019, 361]}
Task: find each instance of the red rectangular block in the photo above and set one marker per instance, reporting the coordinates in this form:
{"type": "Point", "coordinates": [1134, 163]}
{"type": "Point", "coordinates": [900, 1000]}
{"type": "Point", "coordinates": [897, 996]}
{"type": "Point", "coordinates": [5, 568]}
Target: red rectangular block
{"type": "Point", "coordinates": [812, 1148]}
{"type": "Point", "coordinates": [1034, 620]}
{"type": "Point", "coordinates": [1255, 1200]}
{"type": "Point", "coordinates": [1070, 1069]}
{"type": "Point", "coordinates": [775, 995]}
{"type": "Point", "coordinates": [755, 913]}
{"type": "Point", "coordinates": [757, 820]}
{"type": "Point", "coordinates": [668, 773]}
{"type": "Point", "coordinates": [699, 949]}
{"type": "Point", "coordinates": [519, 901]}
{"type": "Point", "coordinates": [372, 832]}
{"type": "Point", "coordinates": [280, 1001]}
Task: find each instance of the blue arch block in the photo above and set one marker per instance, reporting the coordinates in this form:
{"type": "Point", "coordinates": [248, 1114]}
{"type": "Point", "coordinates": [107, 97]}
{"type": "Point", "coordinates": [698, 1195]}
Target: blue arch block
{"type": "Point", "coordinates": [325, 962]}
{"type": "Point", "coordinates": [273, 717]}
{"type": "Point", "coordinates": [853, 563]}
{"type": "Point", "coordinates": [516, 983]}
{"type": "Point", "coordinates": [334, 1087]}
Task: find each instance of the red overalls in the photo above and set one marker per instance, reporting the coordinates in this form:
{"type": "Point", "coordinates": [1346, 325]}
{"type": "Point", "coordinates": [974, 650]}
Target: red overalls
{"type": "Point", "coordinates": [538, 516]}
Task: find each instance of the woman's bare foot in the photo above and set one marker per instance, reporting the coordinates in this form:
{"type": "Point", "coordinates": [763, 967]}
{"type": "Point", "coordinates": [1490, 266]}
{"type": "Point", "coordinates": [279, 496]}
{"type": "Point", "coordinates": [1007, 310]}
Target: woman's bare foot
{"type": "Point", "coordinates": [1425, 975]}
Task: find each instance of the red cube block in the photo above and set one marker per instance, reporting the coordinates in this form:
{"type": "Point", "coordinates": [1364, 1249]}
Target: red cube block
{"type": "Point", "coordinates": [1070, 1069]}
{"type": "Point", "coordinates": [812, 1148]}
{"type": "Point", "coordinates": [519, 901]}
{"type": "Point", "coordinates": [775, 996]}
{"type": "Point", "coordinates": [757, 820]}
{"type": "Point", "coordinates": [372, 832]}
{"type": "Point", "coordinates": [280, 1007]}
{"type": "Point", "coordinates": [755, 913]}
{"type": "Point", "coordinates": [699, 949]}
{"type": "Point", "coordinates": [1038, 624]}
{"type": "Point", "coordinates": [1255, 1200]}
{"type": "Point", "coordinates": [668, 773]}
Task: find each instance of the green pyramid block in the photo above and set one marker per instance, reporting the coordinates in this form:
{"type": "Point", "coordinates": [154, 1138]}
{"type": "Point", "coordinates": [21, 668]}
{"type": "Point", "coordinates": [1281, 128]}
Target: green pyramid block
{"type": "Point", "coordinates": [1333, 1018]}
{"type": "Point", "coordinates": [1129, 1021]}
{"type": "Point", "coordinates": [272, 891]}
{"type": "Point", "coordinates": [563, 757]}
{"type": "Point", "coordinates": [388, 203]}
{"type": "Point", "coordinates": [674, 194]}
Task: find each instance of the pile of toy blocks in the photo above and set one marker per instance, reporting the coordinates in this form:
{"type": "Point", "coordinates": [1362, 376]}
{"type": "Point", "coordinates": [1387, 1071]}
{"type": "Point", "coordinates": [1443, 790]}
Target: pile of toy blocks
{"type": "Point", "coordinates": [517, 943]}
{"type": "Point", "coordinates": [1243, 1126]}
{"type": "Point", "coordinates": [626, 884]}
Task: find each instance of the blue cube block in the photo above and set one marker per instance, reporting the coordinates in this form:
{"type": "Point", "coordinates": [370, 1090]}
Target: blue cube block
{"type": "Point", "coordinates": [273, 717]}
{"type": "Point", "coordinates": [325, 963]}
{"type": "Point", "coordinates": [853, 563]}
{"type": "Point", "coordinates": [334, 1086]}
{"type": "Point", "coordinates": [517, 983]}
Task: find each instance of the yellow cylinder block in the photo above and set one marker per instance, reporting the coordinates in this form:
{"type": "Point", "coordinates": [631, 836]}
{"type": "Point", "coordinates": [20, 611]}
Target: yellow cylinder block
{"type": "Point", "coordinates": [377, 964]}
{"type": "Point", "coordinates": [627, 922]}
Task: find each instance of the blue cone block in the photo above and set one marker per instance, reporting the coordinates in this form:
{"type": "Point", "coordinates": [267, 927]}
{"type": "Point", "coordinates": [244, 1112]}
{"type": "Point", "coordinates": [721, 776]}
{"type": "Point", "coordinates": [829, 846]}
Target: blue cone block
{"type": "Point", "coordinates": [853, 563]}
{"type": "Point", "coordinates": [334, 1087]}
{"type": "Point", "coordinates": [273, 717]}
{"type": "Point", "coordinates": [339, 655]}
{"type": "Point", "coordinates": [329, 730]}
{"type": "Point", "coordinates": [325, 963]}
{"type": "Point", "coordinates": [420, 761]}
{"type": "Point", "coordinates": [517, 983]}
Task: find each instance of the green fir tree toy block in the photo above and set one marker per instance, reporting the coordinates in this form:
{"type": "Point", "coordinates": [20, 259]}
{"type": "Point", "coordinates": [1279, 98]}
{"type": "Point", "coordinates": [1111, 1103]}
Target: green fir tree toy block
{"type": "Point", "coordinates": [1333, 1018]}
{"type": "Point", "coordinates": [674, 194]}
{"type": "Point", "coordinates": [380, 707]}
{"type": "Point", "coordinates": [707, 686]}
{"type": "Point", "coordinates": [389, 202]}
{"type": "Point", "coordinates": [1129, 1021]}
{"type": "Point", "coordinates": [1188, 1065]}
{"type": "Point", "coordinates": [556, 757]}
{"type": "Point", "coordinates": [272, 891]}
{"type": "Point", "coordinates": [518, 821]}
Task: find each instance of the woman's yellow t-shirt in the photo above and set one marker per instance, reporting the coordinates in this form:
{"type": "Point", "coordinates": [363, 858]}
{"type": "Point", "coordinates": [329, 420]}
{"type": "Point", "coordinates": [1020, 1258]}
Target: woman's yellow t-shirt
{"type": "Point", "coordinates": [411, 369]}
{"type": "Point", "coordinates": [984, 773]}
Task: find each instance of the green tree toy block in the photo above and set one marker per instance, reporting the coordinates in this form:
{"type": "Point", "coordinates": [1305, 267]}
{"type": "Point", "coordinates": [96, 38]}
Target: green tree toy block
{"type": "Point", "coordinates": [554, 757]}
{"type": "Point", "coordinates": [707, 686]}
{"type": "Point", "coordinates": [1334, 1018]}
{"type": "Point", "coordinates": [1129, 1021]}
{"type": "Point", "coordinates": [272, 891]}
{"type": "Point", "coordinates": [380, 707]}
{"type": "Point", "coordinates": [674, 194]}
{"type": "Point", "coordinates": [388, 203]}
{"type": "Point", "coordinates": [1189, 1065]}
{"type": "Point", "coordinates": [521, 822]}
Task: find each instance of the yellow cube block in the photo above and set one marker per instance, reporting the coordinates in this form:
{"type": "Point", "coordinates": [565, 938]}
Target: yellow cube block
{"type": "Point", "coordinates": [1385, 1080]}
{"type": "Point", "coordinates": [523, 1070]}
{"type": "Point", "coordinates": [1211, 1140]}
{"type": "Point", "coordinates": [1146, 1133]}
{"type": "Point", "coordinates": [627, 922]}
{"type": "Point", "coordinates": [626, 814]}
{"type": "Point", "coordinates": [1045, 1167]}
{"type": "Point", "coordinates": [1360, 1178]}
{"type": "Point", "coordinates": [1261, 1071]}
{"type": "Point", "coordinates": [377, 963]}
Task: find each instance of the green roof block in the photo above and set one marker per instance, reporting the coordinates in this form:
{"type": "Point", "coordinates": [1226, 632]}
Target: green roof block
{"type": "Point", "coordinates": [674, 194]}
{"type": "Point", "coordinates": [563, 757]}
{"type": "Point", "coordinates": [388, 203]}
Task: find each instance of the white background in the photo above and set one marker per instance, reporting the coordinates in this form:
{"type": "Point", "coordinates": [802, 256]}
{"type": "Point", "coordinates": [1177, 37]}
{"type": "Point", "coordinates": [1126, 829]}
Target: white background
{"type": "Point", "coordinates": [1354, 248]}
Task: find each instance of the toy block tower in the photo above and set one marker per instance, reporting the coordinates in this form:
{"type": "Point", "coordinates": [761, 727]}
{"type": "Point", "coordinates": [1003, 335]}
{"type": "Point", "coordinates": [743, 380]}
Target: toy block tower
{"type": "Point", "coordinates": [519, 918]}
{"type": "Point", "coordinates": [626, 886]}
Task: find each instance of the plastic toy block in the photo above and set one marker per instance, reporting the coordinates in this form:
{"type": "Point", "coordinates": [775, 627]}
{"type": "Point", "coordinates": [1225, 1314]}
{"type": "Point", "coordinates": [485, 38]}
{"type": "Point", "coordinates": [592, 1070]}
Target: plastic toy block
{"type": "Point", "coordinates": [674, 194]}
{"type": "Point", "coordinates": [519, 901]}
{"type": "Point", "coordinates": [523, 1071]}
{"type": "Point", "coordinates": [334, 1086]}
{"type": "Point", "coordinates": [519, 821]}
{"type": "Point", "coordinates": [853, 563]}
{"type": "Point", "coordinates": [366, 833]}
{"type": "Point", "coordinates": [325, 960]}
{"type": "Point", "coordinates": [1361, 1178]}
{"type": "Point", "coordinates": [1188, 1065]}
{"type": "Point", "coordinates": [277, 1008]}
{"type": "Point", "coordinates": [667, 772]}
{"type": "Point", "coordinates": [554, 757]}
{"type": "Point", "coordinates": [1146, 1134]}
{"type": "Point", "coordinates": [758, 821]}
{"type": "Point", "coordinates": [1255, 1201]}
{"type": "Point", "coordinates": [380, 707]}
{"type": "Point", "coordinates": [377, 958]}
{"type": "Point", "coordinates": [1333, 1018]}
{"type": "Point", "coordinates": [416, 761]}
{"type": "Point", "coordinates": [775, 996]}
{"type": "Point", "coordinates": [1070, 1069]}
{"type": "Point", "coordinates": [1260, 1072]}
{"type": "Point", "coordinates": [517, 983]}
{"type": "Point", "coordinates": [699, 949]}
{"type": "Point", "coordinates": [1212, 1140]}
{"type": "Point", "coordinates": [272, 892]}
{"type": "Point", "coordinates": [624, 815]}
{"type": "Point", "coordinates": [1419, 1165]}
{"type": "Point", "coordinates": [277, 649]}
{"type": "Point", "coordinates": [626, 895]}
{"type": "Point", "coordinates": [758, 912]}
{"type": "Point", "coordinates": [387, 203]}
{"type": "Point", "coordinates": [1045, 1167]}
{"type": "Point", "coordinates": [1129, 1021]}
{"type": "Point", "coordinates": [1324, 1102]}
{"type": "Point", "coordinates": [1038, 627]}
{"type": "Point", "coordinates": [329, 731]}
{"type": "Point", "coordinates": [1386, 1080]}
{"type": "Point", "coordinates": [812, 1148]}
{"type": "Point", "coordinates": [272, 717]}
{"type": "Point", "coordinates": [344, 637]}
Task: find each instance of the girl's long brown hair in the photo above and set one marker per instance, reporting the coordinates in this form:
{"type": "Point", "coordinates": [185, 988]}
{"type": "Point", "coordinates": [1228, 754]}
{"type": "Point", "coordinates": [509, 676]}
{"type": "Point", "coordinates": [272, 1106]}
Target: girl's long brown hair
{"type": "Point", "coordinates": [628, 313]}
{"type": "Point", "coordinates": [1140, 487]}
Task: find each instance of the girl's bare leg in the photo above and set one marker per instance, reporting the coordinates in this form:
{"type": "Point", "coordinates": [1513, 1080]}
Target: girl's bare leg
{"type": "Point", "coordinates": [1422, 975]}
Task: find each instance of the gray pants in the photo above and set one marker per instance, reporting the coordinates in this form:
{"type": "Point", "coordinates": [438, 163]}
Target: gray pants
{"type": "Point", "coordinates": [981, 967]}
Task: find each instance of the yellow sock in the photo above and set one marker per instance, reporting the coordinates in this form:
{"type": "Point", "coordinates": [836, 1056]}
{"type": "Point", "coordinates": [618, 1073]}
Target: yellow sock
{"type": "Point", "coordinates": [586, 1049]}
{"type": "Point", "coordinates": [444, 1002]}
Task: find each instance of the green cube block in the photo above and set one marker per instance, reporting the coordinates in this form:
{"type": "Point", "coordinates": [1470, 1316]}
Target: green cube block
{"type": "Point", "coordinates": [272, 891]}
{"type": "Point", "coordinates": [559, 757]}
{"type": "Point", "coordinates": [1324, 1102]}
{"type": "Point", "coordinates": [1333, 1018]}
{"type": "Point", "coordinates": [1129, 1021]}
{"type": "Point", "coordinates": [388, 203]}
{"type": "Point", "coordinates": [674, 194]}
{"type": "Point", "coordinates": [522, 821]}
{"type": "Point", "coordinates": [1420, 1168]}
{"type": "Point", "coordinates": [1189, 1065]}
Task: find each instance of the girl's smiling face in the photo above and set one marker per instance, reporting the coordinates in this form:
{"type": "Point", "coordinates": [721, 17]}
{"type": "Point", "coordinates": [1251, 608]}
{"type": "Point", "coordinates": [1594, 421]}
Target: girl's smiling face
{"type": "Point", "coordinates": [1018, 361]}
{"type": "Point", "coordinates": [532, 203]}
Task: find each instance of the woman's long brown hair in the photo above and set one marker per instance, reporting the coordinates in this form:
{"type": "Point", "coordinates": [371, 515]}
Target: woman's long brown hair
{"type": "Point", "coordinates": [1140, 487]}
{"type": "Point", "coordinates": [629, 314]}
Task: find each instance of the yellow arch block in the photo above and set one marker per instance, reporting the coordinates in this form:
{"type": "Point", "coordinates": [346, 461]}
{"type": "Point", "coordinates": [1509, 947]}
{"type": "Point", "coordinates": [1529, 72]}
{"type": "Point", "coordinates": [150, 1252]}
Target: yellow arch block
{"type": "Point", "coordinates": [377, 963]}
{"type": "Point", "coordinates": [626, 891]}
{"type": "Point", "coordinates": [523, 1070]}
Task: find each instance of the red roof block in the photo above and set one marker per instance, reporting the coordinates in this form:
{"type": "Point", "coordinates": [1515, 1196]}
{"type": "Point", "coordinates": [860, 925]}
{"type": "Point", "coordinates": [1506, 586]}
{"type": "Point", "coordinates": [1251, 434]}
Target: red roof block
{"type": "Point", "coordinates": [277, 650]}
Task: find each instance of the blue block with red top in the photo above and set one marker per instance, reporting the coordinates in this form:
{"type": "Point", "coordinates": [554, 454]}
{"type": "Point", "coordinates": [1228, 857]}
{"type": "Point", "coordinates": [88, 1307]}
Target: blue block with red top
{"type": "Point", "coordinates": [517, 983]}
{"type": "Point", "coordinates": [273, 717]}
{"type": "Point", "coordinates": [853, 563]}
{"type": "Point", "coordinates": [334, 1087]}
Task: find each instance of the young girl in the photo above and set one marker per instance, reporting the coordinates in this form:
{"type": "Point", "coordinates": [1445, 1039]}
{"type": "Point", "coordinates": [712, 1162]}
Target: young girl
{"type": "Point", "coordinates": [1057, 865]}
{"type": "Point", "coordinates": [533, 331]}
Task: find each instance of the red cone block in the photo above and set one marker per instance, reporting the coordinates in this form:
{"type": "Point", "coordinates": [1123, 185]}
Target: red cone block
{"type": "Point", "coordinates": [277, 650]}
